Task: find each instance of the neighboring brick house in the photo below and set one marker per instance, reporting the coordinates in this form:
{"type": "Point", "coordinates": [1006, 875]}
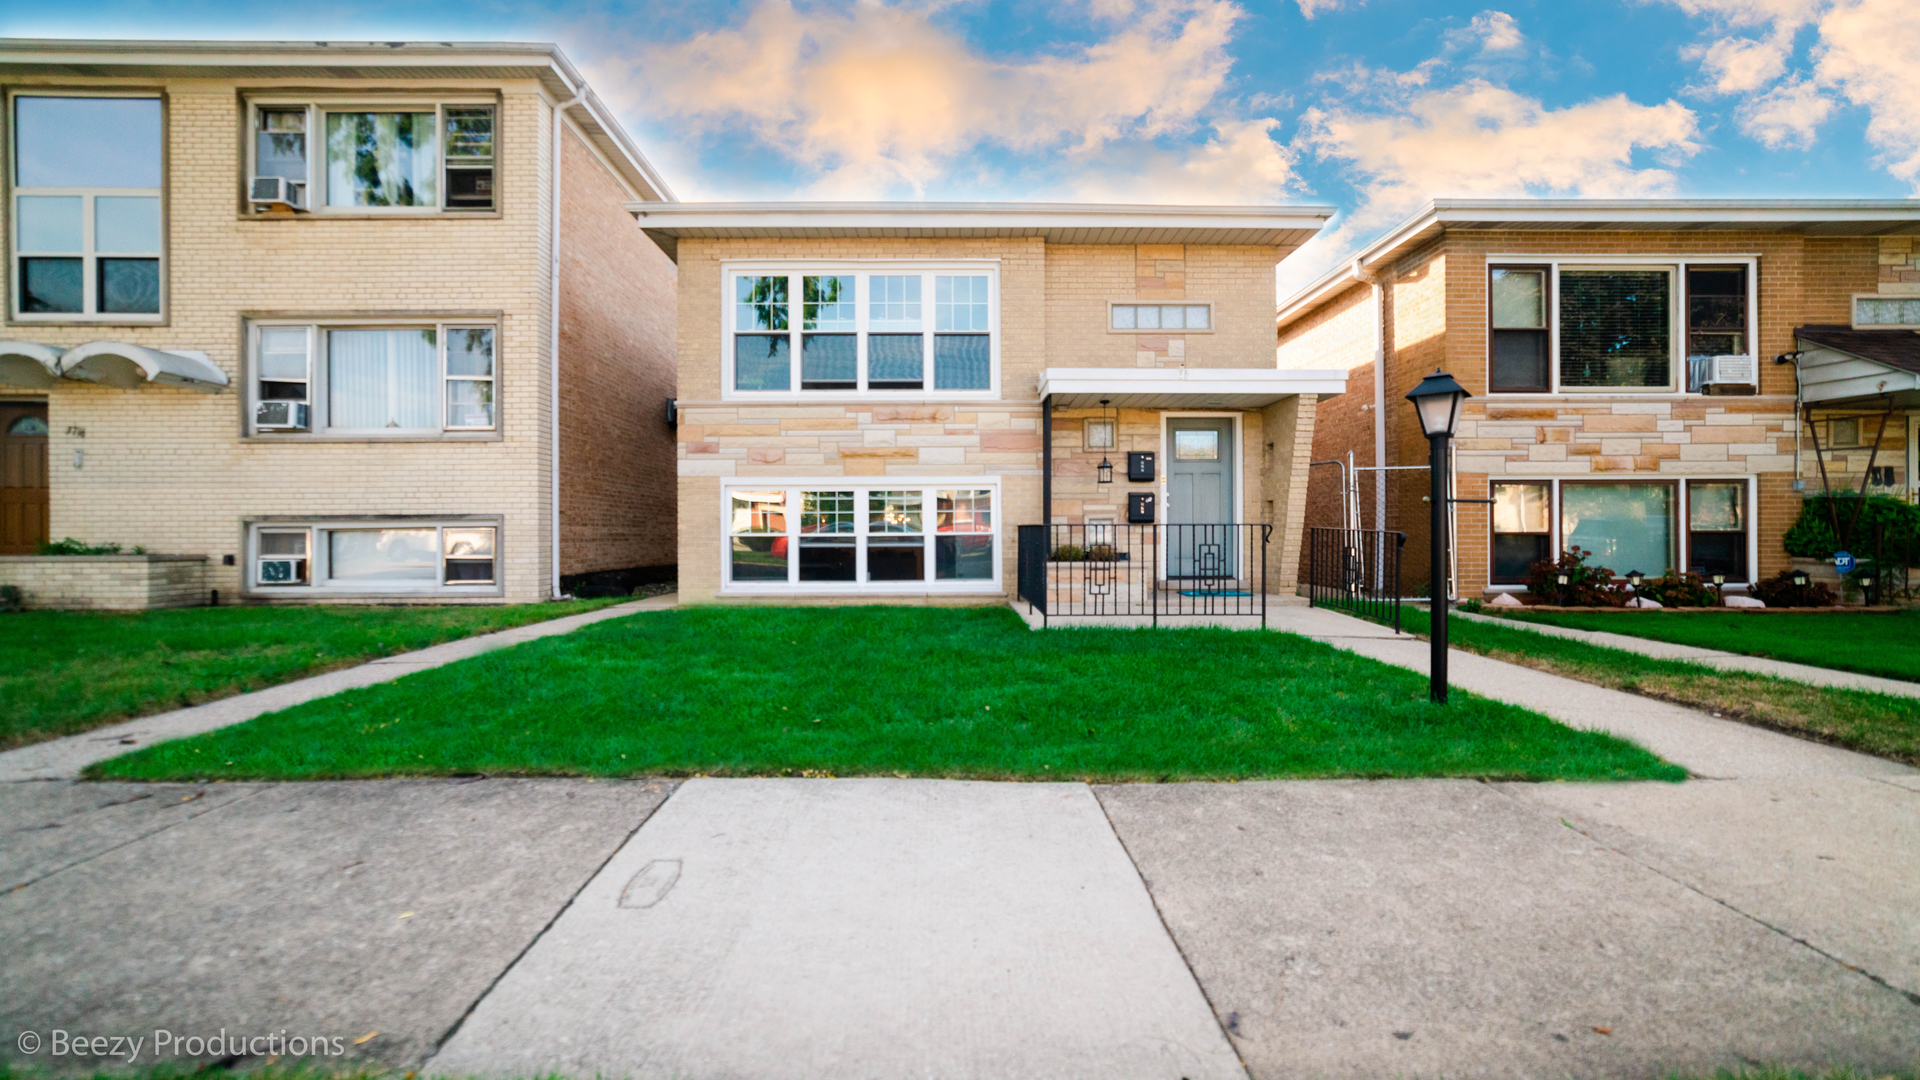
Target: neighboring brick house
{"type": "Point", "coordinates": [291, 306]}
{"type": "Point", "coordinates": [1633, 371]}
{"type": "Point", "coordinates": [866, 389]}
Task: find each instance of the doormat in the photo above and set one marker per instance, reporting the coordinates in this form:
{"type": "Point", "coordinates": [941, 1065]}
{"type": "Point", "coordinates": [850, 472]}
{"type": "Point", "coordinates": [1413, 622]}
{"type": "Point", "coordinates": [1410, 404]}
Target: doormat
{"type": "Point", "coordinates": [1213, 592]}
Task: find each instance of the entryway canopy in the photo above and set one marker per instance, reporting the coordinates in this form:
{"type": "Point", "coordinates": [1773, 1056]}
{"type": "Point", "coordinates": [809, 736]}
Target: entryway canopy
{"type": "Point", "coordinates": [1185, 388]}
{"type": "Point", "coordinates": [109, 363]}
{"type": "Point", "coordinates": [1840, 364]}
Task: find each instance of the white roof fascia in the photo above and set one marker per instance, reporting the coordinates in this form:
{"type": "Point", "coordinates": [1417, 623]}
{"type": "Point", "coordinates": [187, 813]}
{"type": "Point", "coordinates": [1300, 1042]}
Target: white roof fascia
{"type": "Point", "coordinates": [332, 59]}
{"type": "Point", "coordinates": [1240, 387]}
{"type": "Point", "coordinates": [1901, 216]}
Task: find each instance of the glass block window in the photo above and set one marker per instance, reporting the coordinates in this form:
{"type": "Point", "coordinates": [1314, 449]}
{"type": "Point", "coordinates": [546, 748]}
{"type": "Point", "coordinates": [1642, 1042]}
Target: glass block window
{"type": "Point", "coordinates": [1160, 318]}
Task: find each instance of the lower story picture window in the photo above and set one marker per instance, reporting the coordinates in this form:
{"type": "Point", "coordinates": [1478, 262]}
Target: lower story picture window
{"type": "Point", "coordinates": [383, 556]}
{"type": "Point", "coordinates": [1717, 530]}
{"type": "Point", "coordinates": [1628, 527]}
{"type": "Point", "coordinates": [856, 537]}
{"type": "Point", "coordinates": [1522, 534]}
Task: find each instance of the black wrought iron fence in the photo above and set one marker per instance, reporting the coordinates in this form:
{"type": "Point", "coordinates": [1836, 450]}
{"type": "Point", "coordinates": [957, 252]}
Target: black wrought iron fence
{"type": "Point", "coordinates": [1356, 570]}
{"type": "Point", "coordinates": [1152, 571]}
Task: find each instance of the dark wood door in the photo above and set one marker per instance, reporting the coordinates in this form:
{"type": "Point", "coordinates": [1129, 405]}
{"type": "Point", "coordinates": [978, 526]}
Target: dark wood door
{"type": "Point", "coordinates": [23, 477]}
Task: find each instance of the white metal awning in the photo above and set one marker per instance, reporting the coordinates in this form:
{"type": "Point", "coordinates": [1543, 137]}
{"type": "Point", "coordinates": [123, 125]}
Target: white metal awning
{"type": "Point", "coordinates": [119, 364]}
{"type": "Point", "coordinates": [1185, 388]}
{"type": "Point", "coordinates": [1840, 364]}
{"type": "Point", "coordinates": [28, 364]}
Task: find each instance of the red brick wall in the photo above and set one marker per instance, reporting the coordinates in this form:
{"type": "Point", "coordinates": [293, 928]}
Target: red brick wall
{"type": "Point", "coordinates": [617, 312]}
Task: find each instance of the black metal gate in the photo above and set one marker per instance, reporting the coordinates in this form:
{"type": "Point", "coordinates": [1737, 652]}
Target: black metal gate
{"type": "Point", "coordinates": [1109, 570]}
{"type": "Point", "coordinates": [1356, 570]}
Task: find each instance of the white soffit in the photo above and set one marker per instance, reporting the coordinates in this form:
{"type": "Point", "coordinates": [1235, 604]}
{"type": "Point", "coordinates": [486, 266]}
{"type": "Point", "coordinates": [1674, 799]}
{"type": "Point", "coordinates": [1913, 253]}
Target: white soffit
{"type": "Point", "coordinates": [1283, 227]}
{"type": "Point", "coordinates": [1811, 217]}
{"type": "Point", "coordinates": [125, 366]}
{"type": "Point", "coordinates": [28, 364]}
{"type": "Point", "coordinates": [1185, 388]}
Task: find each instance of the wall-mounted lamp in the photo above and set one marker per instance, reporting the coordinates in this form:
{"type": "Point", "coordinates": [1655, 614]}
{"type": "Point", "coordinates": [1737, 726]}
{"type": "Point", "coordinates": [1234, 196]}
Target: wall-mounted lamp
{"type": "Point", "coordinates": [1106, 467]}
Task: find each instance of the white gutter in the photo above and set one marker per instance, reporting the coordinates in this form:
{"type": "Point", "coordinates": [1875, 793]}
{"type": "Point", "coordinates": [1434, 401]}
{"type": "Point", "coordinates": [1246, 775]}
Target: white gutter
{"type": "Point", "coordinates": [1379, 393]}
{"type": "Point", "coordinates": [559, 128]}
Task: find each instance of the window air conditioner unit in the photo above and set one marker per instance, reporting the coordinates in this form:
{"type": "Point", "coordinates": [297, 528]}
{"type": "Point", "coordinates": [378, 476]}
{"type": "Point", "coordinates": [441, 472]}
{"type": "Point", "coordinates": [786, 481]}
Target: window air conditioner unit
{"type": "Point", "coordinates": [1724, 370]}
{"type": "Point", "coordinates": [280, 416]}
{"type": "Point", "coordinates": [277, 191]}
{"type": "Point", "coordinates": [283, 572]}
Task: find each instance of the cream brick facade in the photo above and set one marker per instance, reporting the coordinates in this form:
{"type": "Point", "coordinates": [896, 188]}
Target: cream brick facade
{"type": "Point", "coordinates": [1053, 313]}
{"type": "Point", "coordinates": [177, 471]}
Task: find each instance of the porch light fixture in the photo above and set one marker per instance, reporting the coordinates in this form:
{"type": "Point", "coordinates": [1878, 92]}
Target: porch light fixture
{"type": "Point", "coordinates": [1106, 467]}
{"type": "Point", "coordinates": [1437, 402]}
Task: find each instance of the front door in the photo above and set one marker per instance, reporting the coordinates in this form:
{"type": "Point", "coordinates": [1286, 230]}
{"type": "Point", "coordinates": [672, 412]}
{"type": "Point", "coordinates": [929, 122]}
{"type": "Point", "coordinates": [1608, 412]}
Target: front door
{"type": "Point", "coordinates": [1200, 499]}
{"type": "Point", "coordinates": [23, 477]}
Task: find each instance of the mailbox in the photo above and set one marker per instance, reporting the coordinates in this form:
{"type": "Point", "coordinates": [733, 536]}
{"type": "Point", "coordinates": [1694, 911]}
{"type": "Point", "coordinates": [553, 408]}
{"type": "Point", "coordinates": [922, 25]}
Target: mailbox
{"type": "Point", "coordinates": [1140, 507]}
{"type": "Point", "coordinates": [1140, 467]}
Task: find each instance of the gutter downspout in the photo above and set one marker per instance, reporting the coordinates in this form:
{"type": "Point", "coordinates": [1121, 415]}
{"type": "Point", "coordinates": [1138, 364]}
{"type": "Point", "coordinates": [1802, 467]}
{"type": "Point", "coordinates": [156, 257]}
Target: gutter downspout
{"type": "Point", "coordinates": [1379, 408]}
{"type": "Point", "coordinates": [559, 128]}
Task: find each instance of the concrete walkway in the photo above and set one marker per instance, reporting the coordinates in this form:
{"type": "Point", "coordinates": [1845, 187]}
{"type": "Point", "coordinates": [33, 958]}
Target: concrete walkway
{"type": "Point", "coordinates": [1695, 654]}
{"type": "Point", "coordinates": [63, 759]}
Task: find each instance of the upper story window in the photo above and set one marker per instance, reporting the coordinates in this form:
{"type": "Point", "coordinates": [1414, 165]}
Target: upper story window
{"type": "Point", "coordinates": [1595, 325]}
{"type": "Point", "coordinates": [855, 331]}
{"type": "Point", "coordinates": [86, 190]}
{"type": "Point", "coordinates": [360, 158]}
{"type": "Point", "coordinates": [357, 381]}
{"type": "Point", "coordinates": [1160, 318]}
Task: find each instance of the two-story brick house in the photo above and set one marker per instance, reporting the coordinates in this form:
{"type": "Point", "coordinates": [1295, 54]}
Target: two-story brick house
{"type": "Point", "coordinates": [1650, 377]}
{"type": "Point", "coordinates": [353, 321]}
{"type": "Point", "coordinates": [873, 396]}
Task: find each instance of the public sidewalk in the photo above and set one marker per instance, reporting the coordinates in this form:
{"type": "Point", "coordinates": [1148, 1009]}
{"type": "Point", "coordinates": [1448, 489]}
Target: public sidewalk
{"type": "Point", "coordinates": [62, 759]}
{"type": "Point", "coordinates": [1694, 654]}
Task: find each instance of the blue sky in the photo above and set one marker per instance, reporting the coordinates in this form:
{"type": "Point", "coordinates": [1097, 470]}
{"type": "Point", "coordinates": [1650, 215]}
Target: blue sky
{"type": "Point", "coordinates": [1371, 106]}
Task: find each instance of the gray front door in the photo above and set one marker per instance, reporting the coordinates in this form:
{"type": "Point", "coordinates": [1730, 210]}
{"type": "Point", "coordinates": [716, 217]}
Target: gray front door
{"type": "Point", "coordinates": [1200, 499]}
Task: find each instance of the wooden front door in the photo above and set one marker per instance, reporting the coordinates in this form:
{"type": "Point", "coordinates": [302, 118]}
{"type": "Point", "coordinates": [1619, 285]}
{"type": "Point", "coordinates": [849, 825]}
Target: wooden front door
{"type": "Point", "coordinates": [23, 477]}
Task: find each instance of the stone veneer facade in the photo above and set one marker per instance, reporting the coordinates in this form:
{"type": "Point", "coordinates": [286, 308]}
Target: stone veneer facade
{"type": "Point", "coordinates": [1435, 298]}
{"type": "Point", "coordinates": [1053, 313]}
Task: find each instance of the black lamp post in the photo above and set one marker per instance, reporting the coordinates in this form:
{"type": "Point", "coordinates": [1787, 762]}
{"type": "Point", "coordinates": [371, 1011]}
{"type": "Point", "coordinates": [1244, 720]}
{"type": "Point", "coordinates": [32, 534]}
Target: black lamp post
{"type": "Point", "coordinates": [1437, 402]}
{"type": "Point", "coordinates": [1800, 587]}
{"type": "Point", "coordinates": [1106, 467]}
{"type": "Point", "coordinates": [1635, 578]}
{"type": "Point", "coordinates": [1720, 589]}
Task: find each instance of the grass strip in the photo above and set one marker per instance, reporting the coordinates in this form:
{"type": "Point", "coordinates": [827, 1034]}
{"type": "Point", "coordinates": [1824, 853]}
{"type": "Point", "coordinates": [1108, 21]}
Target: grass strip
{"type": "Point", "coordinates": [72, 671]}
{"type": "Point", "coordinates": [1870, 643]}
{"type": "Point", "coordinates": [1880, 724]}
{"type": "Point", "coordinates": [967, 693]}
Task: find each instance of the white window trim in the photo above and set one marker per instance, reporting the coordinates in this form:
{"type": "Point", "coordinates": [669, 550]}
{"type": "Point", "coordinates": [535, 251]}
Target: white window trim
{"type": "Point", "coordinates": [319, 586]}
{"type": "Point", "coordinates": [861, 268]}
{"type": "Point", "coordinates": [860, 486]}
{"type": "Point", "coordinates": [89, 258]}
{"type": "Point", "coordinates": [1677, 313]}
{"type": "Point", "coordinates": [317, 108]}
{"type": "Point", "coordinates": [1681, 552]}
{"type": "Point", "coordinates": [317, 379]}
{"type": "Point", "coordinates": [1208, 304]}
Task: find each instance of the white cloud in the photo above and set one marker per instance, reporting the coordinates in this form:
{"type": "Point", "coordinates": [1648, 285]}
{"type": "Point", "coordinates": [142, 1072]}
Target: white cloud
{"type": "Point", "coordinates": [1739, 65]}
{"type": "Point", "coordinates": [874, 99]}
{"type": "Point", "coordinates": [1479, 140]}
{"type": "Point", "coordinates": [1310, 8]}
{"type": "Point", "coordinates": [1241, 164]}
{"type": "Point", "coordinates": [1789, 115]}
{"type": "Point", "coordinates": [1496, 31]}
{"type": "Point", "coordinates": [1870, 51]}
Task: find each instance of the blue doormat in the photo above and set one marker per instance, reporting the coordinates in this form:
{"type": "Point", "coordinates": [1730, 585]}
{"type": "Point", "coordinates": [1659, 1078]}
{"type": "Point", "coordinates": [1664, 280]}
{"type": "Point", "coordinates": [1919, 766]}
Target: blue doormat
{"type": "Point", "coordinates": [1213, 592]}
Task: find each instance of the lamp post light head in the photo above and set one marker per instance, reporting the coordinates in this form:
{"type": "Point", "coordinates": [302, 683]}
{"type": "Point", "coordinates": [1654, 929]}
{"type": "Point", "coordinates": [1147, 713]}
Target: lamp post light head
{"type": "Point", "coordinates": [1719, 580]}
{"type": "Point", "coordinates": [1437, 400]}
{"type": "Point", "coordinates": [1562, 579]}
{"type": "Point", "coordinates": [1635, 577]}
{"type": "Point", "coordinates": [1799, 579]}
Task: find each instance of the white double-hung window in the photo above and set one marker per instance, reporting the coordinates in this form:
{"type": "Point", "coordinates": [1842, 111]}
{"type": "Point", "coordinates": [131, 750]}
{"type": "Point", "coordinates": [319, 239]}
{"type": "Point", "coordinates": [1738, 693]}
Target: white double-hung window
{"type": "Point", "coordinates": [836, 535]}
{"type": "Point", "coordinates": [898, 329]}
{"type": "Point", "coordinates": [403, 379]}
{"type": "Point", "coordinates": [372, 157]}
{"type": "Point", "coordinates": [86, 208]}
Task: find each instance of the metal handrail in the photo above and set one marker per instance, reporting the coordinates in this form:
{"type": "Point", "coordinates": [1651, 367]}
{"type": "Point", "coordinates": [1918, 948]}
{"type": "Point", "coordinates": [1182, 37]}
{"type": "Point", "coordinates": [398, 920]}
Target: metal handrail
{"type": "Point", "coordinates": [1152, 571]}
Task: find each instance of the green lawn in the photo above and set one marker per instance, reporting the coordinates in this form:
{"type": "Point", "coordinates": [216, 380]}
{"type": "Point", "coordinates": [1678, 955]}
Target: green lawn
{"type": "Point", "coordinates": [69, 671]}
{"type": "Point", "coordinates": [900, 692]}
{"type": "Point", "coordinates": [1875, 643]}
{"type": "Point", "coordinates": [1881, 724]}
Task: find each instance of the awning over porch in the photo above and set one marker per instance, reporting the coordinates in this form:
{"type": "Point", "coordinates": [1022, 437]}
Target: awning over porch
{"type": "Point", "coordinates": [1185, 388]}
{"type": "Point", "coordinates": [110, 363]}
{"type": "Point", "coordinates": [1840, 364]}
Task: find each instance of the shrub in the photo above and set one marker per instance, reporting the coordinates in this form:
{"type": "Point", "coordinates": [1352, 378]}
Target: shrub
{"type": "Point", "coordinates": [1068, 553]}
{"type": "Point", "coordinates": [1880, 517]}
{"type": "Point", "coordinates": [10, 598]}
{"type": "Point", "coordinates": [1680, 590]}
{"type": "Point", "coordinates": [1780, 591]}
{"type": "Point", "coordinates": [1471, 607]}
{"type": "Point", "coordinates": [1100, 553]}
{"type": "Point", "coordinates": [1587, 586]}
{"type": "Point", "coordinates": [70, 546]}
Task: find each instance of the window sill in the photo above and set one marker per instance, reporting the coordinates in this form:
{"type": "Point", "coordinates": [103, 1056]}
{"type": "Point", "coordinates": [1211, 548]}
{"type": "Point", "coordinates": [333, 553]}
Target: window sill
{"type": "Point", "coordinates": [1624, 393]}
{"type": "Point", "coordinates": [407, 215]}
{"type": "Point", "coordinates": [322, 592]}
{"type": "Point", "coordinates": [69, 319]}
{"type": "Point", "coordinates": [410, 437]}
{"type": "Point", "coordinates": [842, 397]}
{"type": "Point", "coordinates": [970, 589]}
